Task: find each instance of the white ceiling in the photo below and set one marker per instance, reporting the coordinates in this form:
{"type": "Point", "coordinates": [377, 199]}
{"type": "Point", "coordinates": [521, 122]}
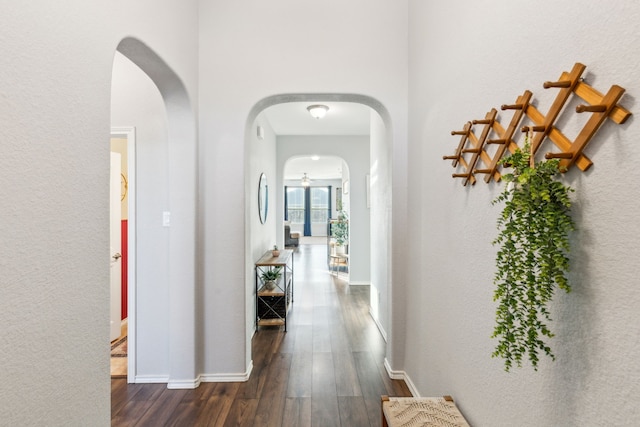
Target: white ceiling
{"type": "Point", "coordinates": [343, 118]}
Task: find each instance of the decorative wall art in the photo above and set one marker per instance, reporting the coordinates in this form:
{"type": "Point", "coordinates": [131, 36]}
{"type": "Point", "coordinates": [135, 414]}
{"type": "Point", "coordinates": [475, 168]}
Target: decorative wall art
{"type": "Point", "coordinates": [473, 156]}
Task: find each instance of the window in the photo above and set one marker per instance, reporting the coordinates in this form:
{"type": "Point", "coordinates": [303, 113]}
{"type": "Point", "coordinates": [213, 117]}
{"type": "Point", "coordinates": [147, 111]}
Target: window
{"type": "Point", "coordinates": [319, 204]}
{"type": "Point", "coordinates": [295, 205]}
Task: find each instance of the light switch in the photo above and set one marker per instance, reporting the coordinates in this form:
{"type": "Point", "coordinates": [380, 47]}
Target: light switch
{"type": "Point", "coordinates": [166, 219]}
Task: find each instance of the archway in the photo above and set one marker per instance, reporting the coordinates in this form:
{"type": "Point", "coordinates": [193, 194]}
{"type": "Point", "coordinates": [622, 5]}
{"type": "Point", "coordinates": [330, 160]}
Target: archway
{"type": "Point", "coordinates": [180, 191]}
{"type": "Point", "coordinates": [379, 172]}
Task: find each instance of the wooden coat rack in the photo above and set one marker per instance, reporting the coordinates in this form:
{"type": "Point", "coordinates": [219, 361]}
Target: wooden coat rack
{"type": "Point", "coordinates": [471, 148]}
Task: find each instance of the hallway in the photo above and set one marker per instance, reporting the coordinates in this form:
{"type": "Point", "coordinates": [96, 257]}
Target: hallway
{"type": "Point", "coordinates": [327, 370]}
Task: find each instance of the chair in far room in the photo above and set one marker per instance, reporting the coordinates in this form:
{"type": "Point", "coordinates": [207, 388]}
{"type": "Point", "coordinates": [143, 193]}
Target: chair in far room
{"type": "Point", "coordinates": [290, 239]}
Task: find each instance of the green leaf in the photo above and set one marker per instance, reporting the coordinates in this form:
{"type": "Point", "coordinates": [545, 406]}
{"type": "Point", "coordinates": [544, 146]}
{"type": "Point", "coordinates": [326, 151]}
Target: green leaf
{"type": "Point", "coordinates": [532, 257]}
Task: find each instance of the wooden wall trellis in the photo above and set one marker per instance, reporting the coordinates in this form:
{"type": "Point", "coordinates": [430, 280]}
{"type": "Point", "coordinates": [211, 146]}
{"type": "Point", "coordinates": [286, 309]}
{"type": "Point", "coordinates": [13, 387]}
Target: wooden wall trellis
{"type": "Point", "coordinates": [473, 148]}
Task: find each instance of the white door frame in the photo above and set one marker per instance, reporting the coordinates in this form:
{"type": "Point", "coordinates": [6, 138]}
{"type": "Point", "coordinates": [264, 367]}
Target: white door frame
{"type": "Point", "coordinates": [130, 134]}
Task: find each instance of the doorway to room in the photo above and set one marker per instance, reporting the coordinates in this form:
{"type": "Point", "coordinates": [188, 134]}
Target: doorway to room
{"type": "Point", "coordinates": [123, 230]}
{"type": "Point", "coordinates": [313, 192]}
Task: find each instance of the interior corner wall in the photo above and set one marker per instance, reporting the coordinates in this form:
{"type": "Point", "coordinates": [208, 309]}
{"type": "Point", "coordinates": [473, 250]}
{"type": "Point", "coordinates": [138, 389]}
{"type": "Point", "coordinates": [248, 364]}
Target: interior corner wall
{"type": "Point", "coordinates": [380, 213]}
{"type": "Point", "coordinates": [467, 57]}
{"type": "Point", "coordinates": [136, 101]}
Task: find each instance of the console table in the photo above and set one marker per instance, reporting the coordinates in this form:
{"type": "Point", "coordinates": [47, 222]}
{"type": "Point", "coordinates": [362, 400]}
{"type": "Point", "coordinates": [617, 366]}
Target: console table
{"type": "Point", "coordinates": [272, 305]}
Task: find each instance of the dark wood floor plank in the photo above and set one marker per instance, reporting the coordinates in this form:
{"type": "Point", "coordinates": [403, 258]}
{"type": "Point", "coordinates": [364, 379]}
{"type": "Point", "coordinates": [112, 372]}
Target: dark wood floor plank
{"type": "Point", "coordinates": [218, 405]}
{"type": "Point", "coordinates": [323, 380]}
{"type": "Point", "coordinates": [277, 378]}
{"type": "Point", "coordinates": [242, 413]}
{"type": "Point", "coordinates": [353, 412]}
{"type": "Point", "coordinates": [269, 412]}
{"type": "Point", "coordinates": [325, 412]}
{"type": "Point", "coordinates": [130, 413]}
{"type": "Point", "coordinates": [121, 393]}
{"type": "Point", "coordinates": [304, 339]}
{"type": "Point", "coordinates": [300, 375]}
{"type": "Point", "coordinates": [347, 383]}
{"type": "Point", "coordinates": [321, 338]}
{"type": "Point", "coordinates": [368, 375]}
{"type": "Point", "coordinates": [194, 403]}
{"type": "Point", "coordinates": [297, 412]}
{"type": "Point", "coordinates": [163, 409]}
{"type": "Point", "coordinates": [327, 370]}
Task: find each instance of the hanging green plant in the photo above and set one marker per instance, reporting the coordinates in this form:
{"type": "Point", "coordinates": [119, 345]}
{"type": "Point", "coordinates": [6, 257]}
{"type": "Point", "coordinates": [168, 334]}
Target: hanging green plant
{"type": "Point", "coordinates": [532, 258]}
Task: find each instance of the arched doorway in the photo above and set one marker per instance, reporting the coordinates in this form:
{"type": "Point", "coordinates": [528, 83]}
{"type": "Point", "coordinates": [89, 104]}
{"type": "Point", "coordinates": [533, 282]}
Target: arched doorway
{"type": "Point", "coordinates": [378, 189]}
{"type": "Point", "coordinates": [177, 195]}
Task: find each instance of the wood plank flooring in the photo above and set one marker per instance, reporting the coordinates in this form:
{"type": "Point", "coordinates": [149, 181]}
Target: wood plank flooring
{"type": "Point", "coordinates": [327, 370]}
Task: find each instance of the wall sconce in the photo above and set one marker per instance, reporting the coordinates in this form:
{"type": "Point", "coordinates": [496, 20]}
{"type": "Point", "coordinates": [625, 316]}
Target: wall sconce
{"type": "Point", "coordinates": [317, 111]}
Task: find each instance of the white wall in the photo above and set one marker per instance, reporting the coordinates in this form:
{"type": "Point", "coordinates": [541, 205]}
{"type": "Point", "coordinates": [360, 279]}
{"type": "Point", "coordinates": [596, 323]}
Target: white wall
{"type": "Point", "coordinates": [249, 53]}
{"type": "Point", "coordinates": [55, 85]}
{"type": "Point", "coordinates": [380, 213]}
{"type": "Point", "coordinates": [261, 158]}
{"type": "Point", "coordinates": [467, 57]}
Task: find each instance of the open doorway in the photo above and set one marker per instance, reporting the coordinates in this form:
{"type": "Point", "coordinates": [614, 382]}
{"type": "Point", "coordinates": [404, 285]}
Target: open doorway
{"type": "Point", "coordinates": [147, 94]}
{"type": "Point", "coordinates": [368, 185]}
{"type": "Point", "coordinates": [123, 227]}
{"type": "Point", "coordinates": [313, 193]}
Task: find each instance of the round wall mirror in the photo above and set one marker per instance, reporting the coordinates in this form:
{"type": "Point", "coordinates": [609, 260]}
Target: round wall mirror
{"type": "Point", "coordinates": [263, 198]}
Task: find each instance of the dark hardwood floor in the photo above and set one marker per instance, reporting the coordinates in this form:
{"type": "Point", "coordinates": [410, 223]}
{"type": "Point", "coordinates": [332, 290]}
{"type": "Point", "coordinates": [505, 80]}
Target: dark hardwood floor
{"type": "Point", "coordinates": [327, 370]}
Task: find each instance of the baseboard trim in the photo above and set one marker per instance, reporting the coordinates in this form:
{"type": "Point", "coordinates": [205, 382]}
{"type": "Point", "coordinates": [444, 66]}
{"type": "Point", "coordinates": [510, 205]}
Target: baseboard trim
{"type": "Point", "coordinates": [359, 283]}
{"type": "Point", "coordinates": [150, 379]}
{"type": "Point", "coordinates": [401, 375]}
{"type": "Point", "coordinates": [183, 384]}
{"type": "Point", "coordinates": [380, 328]}
{"type": "Point", "coordinates": [227, 378]}
{"type": "Point", "coordinates": [195, 383]}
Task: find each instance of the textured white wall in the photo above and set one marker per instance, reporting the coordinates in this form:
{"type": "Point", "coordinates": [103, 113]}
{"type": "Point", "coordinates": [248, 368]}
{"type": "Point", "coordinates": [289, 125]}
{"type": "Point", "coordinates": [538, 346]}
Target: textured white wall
{"type": "Point", "coordinates": [55, 83]}
{"type": "Point", "coordinates": [253, 50]}
{"type": "Point", "coordinates": [467, 57]}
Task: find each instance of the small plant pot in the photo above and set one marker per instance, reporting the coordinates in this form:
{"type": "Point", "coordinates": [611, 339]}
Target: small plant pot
{"type": "Point", "coordinates": [270, 284]}
{"type": "Point", "coordinates": [275, 253]}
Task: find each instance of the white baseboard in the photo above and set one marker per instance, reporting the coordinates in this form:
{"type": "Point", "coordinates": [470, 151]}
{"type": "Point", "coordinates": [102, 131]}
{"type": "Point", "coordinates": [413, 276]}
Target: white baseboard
{"type": "Point", "coordinates": [359, 283]}
{"type": "Point", "coordinates": [195, 383]}
{"type": "Point", "coordinates": [227, 378]}
{"type": "Point", "coordinates": [150, 379]}
{"type": "Point", "coordinates": [401, 375]}
{"type": "Point", "coordinates": [183, 384]}
{"type": "Point", "coordinates": [380, 328]}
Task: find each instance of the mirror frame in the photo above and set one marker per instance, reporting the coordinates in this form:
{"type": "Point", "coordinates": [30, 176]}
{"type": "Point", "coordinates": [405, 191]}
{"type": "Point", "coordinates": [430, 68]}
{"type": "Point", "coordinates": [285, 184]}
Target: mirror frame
{"type": "Point", "coordinates": [263, 198]}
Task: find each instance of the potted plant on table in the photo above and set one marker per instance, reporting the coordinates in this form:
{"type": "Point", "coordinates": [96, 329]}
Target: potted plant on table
{"type": "Point", "coordinates": [275, 252]}
{"type": "Point", "coordinates": [270, 277]}
{"type": "Point", "coordinates": [340, 231]}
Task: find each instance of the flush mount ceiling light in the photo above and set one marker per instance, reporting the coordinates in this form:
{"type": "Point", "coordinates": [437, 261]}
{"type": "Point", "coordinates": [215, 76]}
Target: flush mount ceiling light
{"type": "Point", "coordinates": [317, 111]}
{"type": "Point", "coordinates": [305, 180]}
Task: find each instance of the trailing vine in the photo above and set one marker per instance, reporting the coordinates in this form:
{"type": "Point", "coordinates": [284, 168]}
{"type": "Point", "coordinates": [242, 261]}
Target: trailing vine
{"type": "Point", "coordinates": [532, 258]}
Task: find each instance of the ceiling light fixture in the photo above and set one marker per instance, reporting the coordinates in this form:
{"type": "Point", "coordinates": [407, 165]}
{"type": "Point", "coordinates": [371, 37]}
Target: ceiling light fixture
{"type": "Point", "coordinates": [317, 111]}
{"type": "Point", "coordinates": [305, 180]}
